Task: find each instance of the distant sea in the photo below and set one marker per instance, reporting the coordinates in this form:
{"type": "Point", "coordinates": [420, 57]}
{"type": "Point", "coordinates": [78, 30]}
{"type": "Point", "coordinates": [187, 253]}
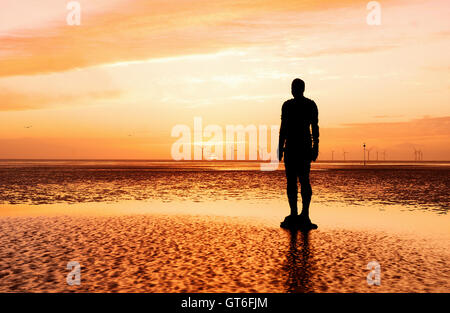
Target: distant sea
{"type": "Point", "coordinates": [419, 185]}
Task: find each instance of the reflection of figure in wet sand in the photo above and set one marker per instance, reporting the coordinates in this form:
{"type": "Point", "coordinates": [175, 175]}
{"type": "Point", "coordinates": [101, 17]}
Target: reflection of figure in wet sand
{"type": "Point", "coordinates": [299, 263]}
{"type": "Point", "coordinates": [299, 143]}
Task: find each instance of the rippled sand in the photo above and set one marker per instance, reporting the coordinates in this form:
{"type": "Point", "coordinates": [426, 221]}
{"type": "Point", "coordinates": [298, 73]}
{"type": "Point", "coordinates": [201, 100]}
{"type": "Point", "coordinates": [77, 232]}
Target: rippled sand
{"type": "Point", "coordinates": [214, 227]}
{"type": "Point", "coordinates": [201, 253]}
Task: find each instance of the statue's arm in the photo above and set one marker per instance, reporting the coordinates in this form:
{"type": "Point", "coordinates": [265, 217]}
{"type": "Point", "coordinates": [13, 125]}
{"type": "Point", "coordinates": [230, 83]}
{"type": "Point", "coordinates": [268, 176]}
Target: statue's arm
{"type": "Point", "coordinates": [315, 131]}
{"type": "Point", "coordinates": [282, 138]}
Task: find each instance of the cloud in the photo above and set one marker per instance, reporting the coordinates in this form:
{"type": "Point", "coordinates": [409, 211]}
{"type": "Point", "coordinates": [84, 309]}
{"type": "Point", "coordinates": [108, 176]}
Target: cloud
{"type": "Point", "coordinates": [19, 101]}
{"type": "Point", "coordinates": [387, 116]}
{"type": "Point", "coordinates": [427, 126]}
{"type": "Point", "coordinates": [129, 147]}
{"type": "Point", "coordinates": [431, 134]}
{"type": "Point", "coordinates": [145, 29]}
{"type": "Point", "coordinates": [349, 50]}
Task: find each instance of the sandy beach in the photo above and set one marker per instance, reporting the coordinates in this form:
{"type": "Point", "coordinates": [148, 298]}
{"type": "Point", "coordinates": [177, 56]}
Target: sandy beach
{"type": "Point", "coordinates": [214, 227]}
{"type": "Point", "coordinates": [147, 251]}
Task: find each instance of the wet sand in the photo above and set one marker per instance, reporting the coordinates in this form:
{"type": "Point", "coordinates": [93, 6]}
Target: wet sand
{"type": "Point", "coordinates": [174, 252]}
{"type": "Point", "coordinates": [213, 227]}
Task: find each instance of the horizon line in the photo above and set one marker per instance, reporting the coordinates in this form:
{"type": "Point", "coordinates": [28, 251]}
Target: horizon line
{"type": "Point", "coordinates": [171, 160]}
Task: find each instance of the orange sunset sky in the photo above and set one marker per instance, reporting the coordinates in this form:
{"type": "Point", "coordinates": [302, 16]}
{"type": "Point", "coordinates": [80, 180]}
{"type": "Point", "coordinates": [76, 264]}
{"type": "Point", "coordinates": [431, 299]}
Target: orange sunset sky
{"type": "Point", "coordinates": [116, 85]}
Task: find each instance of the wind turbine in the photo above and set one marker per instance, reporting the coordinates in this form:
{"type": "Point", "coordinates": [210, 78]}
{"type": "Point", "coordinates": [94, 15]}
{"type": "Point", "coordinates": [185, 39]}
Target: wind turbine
{"type": "Point", "coordinates": [202, 146]}
{"type": "Point", "coordinates": [261, 152]}
{"type": "Point", "coordinates": [368, 154]}
{"type": "Point", "coordinates": [332, 155]}
{"type": "Point", "coordinates": [416, 154]}
{"type": "Point", "coordinates": [364, 146]}
{"type": "Point", "coordinates": [207, 155]}
{"type": "Point", "coordinates": [344, 152]}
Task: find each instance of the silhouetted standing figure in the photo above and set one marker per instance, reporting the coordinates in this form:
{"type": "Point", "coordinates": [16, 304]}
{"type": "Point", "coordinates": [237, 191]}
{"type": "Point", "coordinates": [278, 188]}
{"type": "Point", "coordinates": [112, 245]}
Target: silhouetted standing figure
{"type": "Point", "coordinates": [299, 143]}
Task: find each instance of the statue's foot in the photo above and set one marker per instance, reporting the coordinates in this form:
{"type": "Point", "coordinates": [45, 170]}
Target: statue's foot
{"type": "Point", "coordinates": [290, 222]}
{"type": "Point", "coordinates": [297, 222]}
{"type": "Point", "coordinates": [305, 223]}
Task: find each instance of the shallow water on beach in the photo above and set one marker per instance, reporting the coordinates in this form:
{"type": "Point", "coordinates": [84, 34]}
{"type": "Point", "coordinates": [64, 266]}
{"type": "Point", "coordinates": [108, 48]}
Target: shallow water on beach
{"type": "Point", "coordinates": [420, 186]}
{"type": "Point", "coordinates": [203, 227]}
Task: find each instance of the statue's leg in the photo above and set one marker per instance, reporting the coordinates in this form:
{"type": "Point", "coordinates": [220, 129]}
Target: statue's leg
{"type": "Point", "coordinates": [306, 190]}
{"type": "Point", "coordinates": [292, 187]}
